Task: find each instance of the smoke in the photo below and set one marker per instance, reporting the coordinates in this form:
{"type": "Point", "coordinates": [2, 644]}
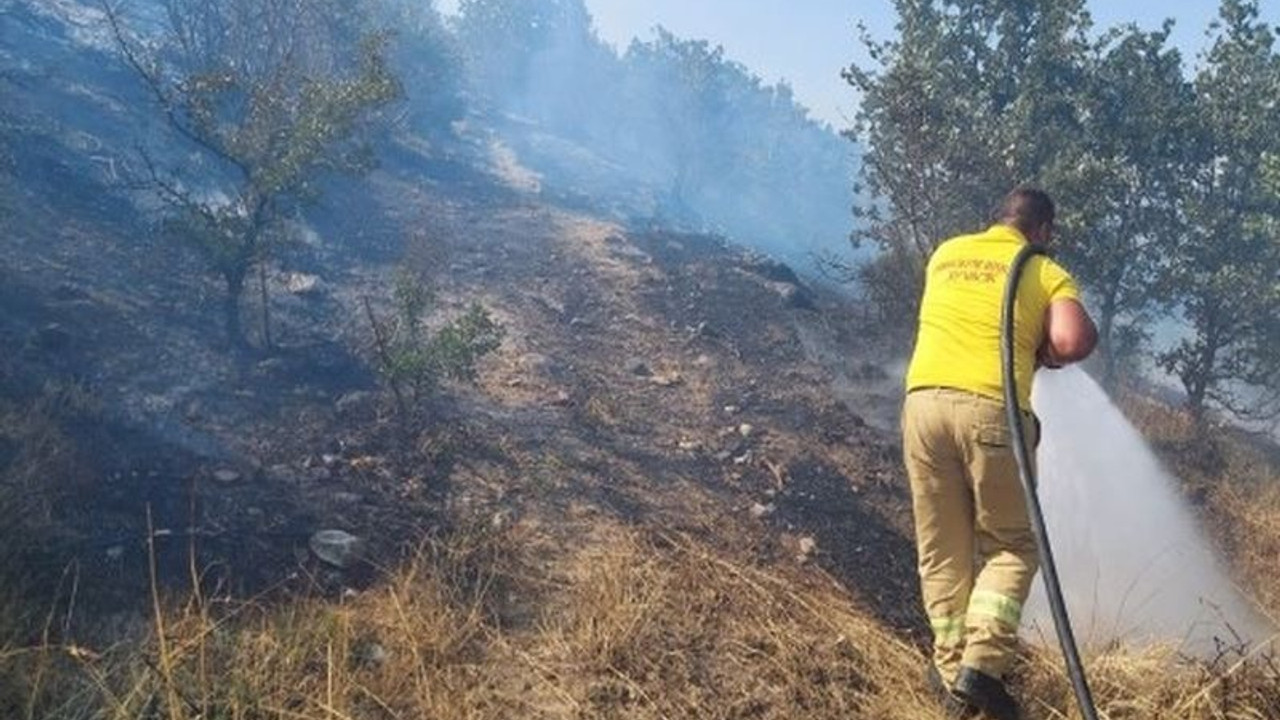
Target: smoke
{"type": "Point", "coordinates": [670, 132]}
{"type": "Point", "coordinates": [1134, 564]}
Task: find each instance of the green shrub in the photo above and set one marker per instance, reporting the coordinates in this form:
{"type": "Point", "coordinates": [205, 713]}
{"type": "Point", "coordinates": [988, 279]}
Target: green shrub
{"type": "Point", "coordinates": [411, 361]}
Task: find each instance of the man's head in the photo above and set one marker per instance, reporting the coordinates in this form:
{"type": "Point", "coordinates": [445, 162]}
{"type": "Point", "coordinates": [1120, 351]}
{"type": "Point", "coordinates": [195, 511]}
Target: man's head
{"type": "Point", "coordinates": [1031, 211]}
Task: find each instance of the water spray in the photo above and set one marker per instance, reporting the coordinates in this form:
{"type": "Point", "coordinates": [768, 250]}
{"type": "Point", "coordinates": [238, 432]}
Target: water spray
{"type": "Point", "coordinates": [1053, 589]}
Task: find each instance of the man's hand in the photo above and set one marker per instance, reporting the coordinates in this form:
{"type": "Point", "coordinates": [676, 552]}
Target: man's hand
{"type": "Point", "coordinates": [1045, 358]}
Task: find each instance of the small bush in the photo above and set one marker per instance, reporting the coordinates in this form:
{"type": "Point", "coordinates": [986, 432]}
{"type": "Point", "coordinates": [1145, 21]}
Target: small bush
{"type": "Point", "coordinates": [412, 361]}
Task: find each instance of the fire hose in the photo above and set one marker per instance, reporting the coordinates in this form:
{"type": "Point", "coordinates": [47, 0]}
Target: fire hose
{"type": "Point", "coordinates": [1061, 622]}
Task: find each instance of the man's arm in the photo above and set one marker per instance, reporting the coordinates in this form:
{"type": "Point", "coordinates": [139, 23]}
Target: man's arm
{"type": "Point", "coordinates": [1069, 333]}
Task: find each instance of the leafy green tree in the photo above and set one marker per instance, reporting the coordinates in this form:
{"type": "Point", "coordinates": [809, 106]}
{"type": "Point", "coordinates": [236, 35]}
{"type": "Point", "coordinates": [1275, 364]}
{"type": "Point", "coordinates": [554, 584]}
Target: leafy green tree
{"type": "Point", "coordinates": [726, 143]}
{"type": "Point", "coordinates": [273, 95]}
{"type": "Point", "coordinates": [1224, 273]}
{"type": "Point", "coordinates": [694, 92]}
{"type": "Point", "coordinates": [510, 44]}
{"type": "Point", "coordinates": [772, 143]}
{"type": "Point", "coordinates": [427, 58]}
{"type": "Point", "coordinates": [1122, 185]}
{"type": "Point", "coordinates": [971, 99]}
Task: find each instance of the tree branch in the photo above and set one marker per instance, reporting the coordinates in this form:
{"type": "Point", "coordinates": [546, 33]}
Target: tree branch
{"type": "Point", "coordinates": [167, 103]}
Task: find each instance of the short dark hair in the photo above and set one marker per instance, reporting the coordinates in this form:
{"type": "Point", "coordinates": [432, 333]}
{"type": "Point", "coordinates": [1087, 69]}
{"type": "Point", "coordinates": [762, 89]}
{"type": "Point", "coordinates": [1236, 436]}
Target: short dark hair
{"type": "Point", "coordinates": [1026, 208]}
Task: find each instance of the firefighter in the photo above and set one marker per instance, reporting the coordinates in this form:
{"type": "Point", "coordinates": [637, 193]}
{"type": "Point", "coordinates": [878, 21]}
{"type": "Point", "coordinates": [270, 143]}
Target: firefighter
{"type": "Point", "coordinates": [977, 553]}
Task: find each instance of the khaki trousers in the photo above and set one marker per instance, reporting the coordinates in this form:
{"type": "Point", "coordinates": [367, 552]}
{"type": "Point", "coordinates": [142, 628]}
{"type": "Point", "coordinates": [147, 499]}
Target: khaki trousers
{"type": "Point", "coordinates": [977, 553]}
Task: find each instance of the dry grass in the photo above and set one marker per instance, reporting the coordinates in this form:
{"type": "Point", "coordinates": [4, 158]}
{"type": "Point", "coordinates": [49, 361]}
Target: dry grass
{"type": "Point", "coordinates": [587, 617]}
{"type": "Point", "coordinates": [1233, 478]}
{"type": "Point", "coordinates": [626, 624]}
{"type": "Point", "coordinates": [1158, 684]}
{"type": "Point", "coordinates": [1250, 520]}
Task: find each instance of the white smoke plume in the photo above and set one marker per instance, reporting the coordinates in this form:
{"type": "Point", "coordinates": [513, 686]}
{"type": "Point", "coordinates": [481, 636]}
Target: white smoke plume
{"type": "Point", "coordinates": [1134, 563]}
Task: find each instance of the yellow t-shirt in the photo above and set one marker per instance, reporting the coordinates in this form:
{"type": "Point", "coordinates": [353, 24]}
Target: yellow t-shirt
{"type": "Point", "coordinates": [958, 344]}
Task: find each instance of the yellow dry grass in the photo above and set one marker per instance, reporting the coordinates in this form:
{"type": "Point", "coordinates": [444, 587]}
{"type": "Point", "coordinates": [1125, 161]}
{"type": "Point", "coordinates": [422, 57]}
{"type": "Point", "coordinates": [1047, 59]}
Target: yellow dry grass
{"type": "Point", "coordinates": [606, 619]}
{"type": "Point", "coordinates": [627, 623]}
{"type": "Point", "coordinates": [1234, 478]}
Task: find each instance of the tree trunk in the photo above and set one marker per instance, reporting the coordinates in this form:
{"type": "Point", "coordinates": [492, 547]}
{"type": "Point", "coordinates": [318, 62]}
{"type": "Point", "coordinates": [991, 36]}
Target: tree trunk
{"type": "Point", "coordinates": [1106, 329]}
{"type": "Point", "coordinates": [231, 310]}
{"type": "Point", "coordinates": [1195, 401]}
{"type": "Point", "coordinates": [1203, 374]}
{"type": "Point", "coordinates": [266, 304]}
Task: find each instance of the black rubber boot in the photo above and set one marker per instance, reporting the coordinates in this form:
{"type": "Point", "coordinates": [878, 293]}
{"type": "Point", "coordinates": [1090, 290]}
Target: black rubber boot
{"type": "Point", "coordinates": [987, 694]}
{"type": "Point", "coordinates": [955, 708]}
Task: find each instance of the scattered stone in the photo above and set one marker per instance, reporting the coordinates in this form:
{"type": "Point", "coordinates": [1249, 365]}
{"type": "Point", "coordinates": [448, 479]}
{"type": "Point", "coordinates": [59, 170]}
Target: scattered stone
{"type": "Point", "coordinates": [66, 292]}
{"type": "Point", "coordinates": [689, 445]}
{"type": "Point", "coordinates": [227, 476]}
{"type": "Point", "coordinates": [160, 404]}
{"type": "Point", "coordinates": [808, 546]}
{"type": "Point", "coordinates": [795, 296]}
{"type": "Point", "coordinates": [271, 365]}
{"type": "Point", "coordinates": [785, 290]}
{"type": "Point", "coordinates": [670, 379]}
{"type": "Point", "coordinates": [746, 430]}
{"type": "Point", "coordinates": [286, 474]}
{"type": "Point", "coordinates": [744, 459]}
{"type": "Point", "coordinates": [561, 399]}
{"type": "Point", "coordinates": [329, 459]}
{"type": "Point", "coordinates": [702, 329]}
{"type": "Point", "coordinates": [769, 269]}
{"type": "Point", "coordinates": [636, 366]}
{"type": "Point", "coordinates": [723, 456]}
{"type": "Point", "coordinates": [781, 279]}
{"type": "Point", "coordinates": [501, 519]}
{"type": "Point", "coordinates": [760, 510]}
{"type": "Point", "coordinates": [731, 409]}
{"type": "Point", "coordinates": [299, 283]}
{"type": "Point", "coordinates": [538, 363]}
{"type": "Point", "coordinates": [371, 654]}
{"type": "Point", "coordinates": [552, 304]}
{"type": "Point", "coordinates": [52, 337]}
{"type": "Point", "coordinates": [338, 548]}
{"type": "Point", "coordinates": [351, 400]}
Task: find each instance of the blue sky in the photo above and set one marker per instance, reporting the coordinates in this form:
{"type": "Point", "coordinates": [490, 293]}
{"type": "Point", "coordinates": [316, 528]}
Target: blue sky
{"type": "Point", "coordinates": [807, 42]}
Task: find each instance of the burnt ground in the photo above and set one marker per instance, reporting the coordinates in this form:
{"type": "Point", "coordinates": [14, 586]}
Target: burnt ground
{"type": "Point", "coordinates": [672, 381]}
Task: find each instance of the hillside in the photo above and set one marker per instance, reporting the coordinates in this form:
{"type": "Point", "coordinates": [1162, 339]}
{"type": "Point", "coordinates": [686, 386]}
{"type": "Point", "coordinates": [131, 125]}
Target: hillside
{"type": "Point", "coordinates": [673, 491]}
